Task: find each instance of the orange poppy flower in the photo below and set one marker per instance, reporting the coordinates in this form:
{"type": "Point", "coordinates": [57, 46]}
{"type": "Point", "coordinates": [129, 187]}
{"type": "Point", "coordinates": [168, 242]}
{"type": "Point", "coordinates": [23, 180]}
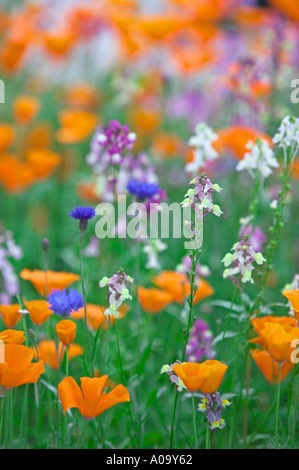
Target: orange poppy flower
{"type": "Point", "coordinates": [10, 314]}
{"type": "Point", "coordinates": [167, 145]}
{"type": "Point", "coordinates": [66, 331]}
{"type": "Point", "coordinates": [269, 367]}
{"type": "Point", "coordinates": [59, 43]}
{"type": "Point", "coordinates": [56, 280]}
{"type": "Point", "coordinates": [235, 138]}
{"type": "Point", "coordinates": [205, 377]}
{"type": "Point", "coordinates": [90, 399]}
{"type": "Point", "coordinates": [12, 53]}
{"type": "Point", "coordinates": [277, 339]}
{"type": "Point", "coordinates": [259, 323]}
{"type": "Point", "coordinates": [178, 286]}
{"type": "Point", "coordinates": [18, 368]}
{"type": "Point", "coordinates": [47, 351]}
{"type": "Point", "coordinates": [293, 297]}
{"type": "Point", "coordinates": [25, 108]}
{"type": "Point", "coordinates": [289, 7]}
{"type": "Point", "coordinates": [15, 176]}
{"type": "Point", "coordinates": [82, 95]}
{"type": "Point", "coordinates": [7, 134]}
{"type": "Point", "coordinates": [96, 317]}
{"type": "Point", "coordinates": [153, 300]}
{"type": "Point", "coordinates": [144, 119]}
{"type": "Point", "coordinates": [76, 126]}
{"type": "Point", "coordinates": [42, 162]}
{"type": "Point", "coordinates": [12, 336]}
{"type": "Point", "coordinates": [40, 137]}
{"type": "Point", "coordinates": [38, 311]}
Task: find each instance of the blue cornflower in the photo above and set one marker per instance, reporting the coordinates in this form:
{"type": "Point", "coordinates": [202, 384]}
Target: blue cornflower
{"type": "Point", "coordinates": [142, 189]}
{"type": "Point", "coordinates": [82, 213]}
{"type": "Point", "coordinates": [63, 303]}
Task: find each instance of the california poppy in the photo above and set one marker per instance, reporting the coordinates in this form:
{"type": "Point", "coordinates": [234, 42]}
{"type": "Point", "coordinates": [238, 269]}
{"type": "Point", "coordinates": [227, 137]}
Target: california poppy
{"type": "Point", "coordinates": [205, 377]}
{"type": "Point", "coordinates": [269, 367]}
{"type": "Point", "coordinates": [18, 368]}
{"type": "Point", "coordinates": [10, 314]}
{"type": "Point", "coordinates": [38, 310]}
{"type": "Point", "coordinates": [42, 162]}
{"type": "Point", "coordinates": [76, 125]}
{"type": "Point", "coordinates": [25, 108]}
{"type": "Point", "coordinates": [12, 337]}
{"type": "Point", "coordinates": [153, 300]}
{"type": "Point", "coordinates": [7, 134]}
{"type": "Point", "coordinates": [293, 297]}
{"type": "Point", "coordinates": [277, 338]}
{"type": "Point", "coordinates": [15, 175]}
{"type": "Point", "coordinates": [55, 280]}
{"type": "Point", "coordinates": [48, 352]}
{"type": "Point", "coordinates": [90, 399]}
{"type": "Point", "coordinates": [96, 317]}
{"type": "Point", "coordinates": [66, 331]}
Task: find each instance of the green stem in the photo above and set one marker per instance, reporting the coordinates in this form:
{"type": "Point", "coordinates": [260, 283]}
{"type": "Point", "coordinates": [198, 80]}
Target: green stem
{"type": "Point", "coordinates": [294, 414]}
{"type": "Point", "coordinates": [277, 405]}
{"type": "Point", "coordinates": [83, 434]}
{"type": "Point", "coordinates": [194, 422]}
{"type": "Point", "coordinates": [228, 319]}
{"type": "Point", "coordinates": [10, 403]}
{"type": "Point", "coordinates": [208, 437]}
{"type": "Point", "coordinates": [176, 394]}
{"type": "Point", "coordinates": [84, 300]}
{"type": "Point", "coordinates": [67, 364]}
{"type": "Point", "coordinates": [2, 400]}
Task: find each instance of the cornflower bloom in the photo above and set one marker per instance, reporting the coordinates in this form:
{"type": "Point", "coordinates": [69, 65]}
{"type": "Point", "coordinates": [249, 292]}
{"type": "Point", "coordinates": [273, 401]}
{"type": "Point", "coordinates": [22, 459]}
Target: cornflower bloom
{"type": "Point", "coordinates": [117, 291]}
{"type": "Point", "coordinates": [63, 303]}
{"type": "Point", "coordinates": [242, 262]}
{"type": "Point", "coordinates": [83, 214]}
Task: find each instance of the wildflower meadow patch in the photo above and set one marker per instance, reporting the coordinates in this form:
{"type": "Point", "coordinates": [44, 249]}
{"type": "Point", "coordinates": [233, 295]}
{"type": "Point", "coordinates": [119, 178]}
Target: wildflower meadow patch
{"type": "Point", "coordinates": [149, 227]}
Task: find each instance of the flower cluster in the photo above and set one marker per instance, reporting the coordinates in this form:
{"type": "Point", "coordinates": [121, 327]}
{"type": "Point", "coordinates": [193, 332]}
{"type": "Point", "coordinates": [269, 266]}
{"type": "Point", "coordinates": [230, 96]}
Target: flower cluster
{"type": "Point", "coordinates": [9, 284]}
{"type": "Point", "coordinates": [287, 136]}
{"type": "Point", "coordinates": [203, 149]}
{"type": "Point", "coordinates": [255, 234]}
{"type": "Point", "coordinates": [199, 343]}
{"type": "Point", "coordinates": [260, 158]}
{"type": "Point", "coordinates": [64, 303]}
{"type": "Point", "coordinates": [168, 369]}
{"type": "Point", "coordinates": [200, 197]}
{"type": "Point", "coordinates": [211, 405]}
{"type": "Point", "coordinates": [153, 247]}
{"type": "Point", "coordinates": [186, 267]}
{"type": "Point", "coordinates": [117, 291]}
{"type": "Point", "coordinates": [242, 261]}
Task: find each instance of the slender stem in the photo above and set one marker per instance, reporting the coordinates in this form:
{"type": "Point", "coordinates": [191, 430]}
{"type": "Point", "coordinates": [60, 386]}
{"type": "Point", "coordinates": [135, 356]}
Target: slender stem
{"type": "Point", "coordinates": [277, 405]}
{"type": "Point", "coordinates": [227, 320]}
{"type": "Point", "coordinates": [84, 300]}
{"type": "Point", "coordinates": [45, 260]}
{"type": "Point", "coordinates": [67, 366]}
{"type": "Point", "coordinates": [83, 434]}
{"type": "Point", "coordinates": [2, 400]}
{"type": "Point", "coordinates": [176, 394]}
{"type": "Point", "coordinates": [194, 422]}
{"type": "Point", "coordinates": [208, 437]}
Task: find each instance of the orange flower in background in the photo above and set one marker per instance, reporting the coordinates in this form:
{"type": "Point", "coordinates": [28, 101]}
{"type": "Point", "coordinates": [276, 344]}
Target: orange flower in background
{"type": "Point", "coordinates": [40, 137]}
{"type": "Point", "coordinates": [167, 145]}
{"type": "Point", "coordinates": [144, 119]}
{"type": "Point", "coordinates": [12, 336]}
{"type": "Point", "coordinates": [269, 367]}
{"type": "Point", "coordinates": [47, 351]}
{"type": "Point", "coordinates": [7, 134]}
{"type": "Point", "coordinates": [178, 286]}
{"type": "Point", "coordinates": [12, 53]}
{"type": "Point", "coordinates": [66, 331]}
{"type": "Point", "coordinates": [42, 162]}
{"type": "Point", "coordinates": [59, 43]}
{"type": "Point", "coordinates": [289, 7]}
{"type": "Point", "coordinates": [15, 176]}
{"type": "Point", "coordinates": [39, 311]}
{"type": "Point", "coordinates": [153, 300]}
{"type": "Point", "coordinates": [18, 369]}
{"type": "Point", "coordinates": [10, 314]}
{"type": "Point", "coordinates": [277, 339]}
{"type": "Point", "coordinates": [293, 297]}
{"type": "Point", "coordinates": [90, 399]}
{"type": "Point", "coordinates": [76, 126]}
{"type": "Point", "coordinates": [25, 108]}
{"type": "Point", "coordinates": [82, 95]}
{"type": "Point", "coordinates": [235, 138]}
{"type": "Point", "coordinates": [205, 377]}
{"type": "Point", "coordinates": [96, 317]}
{"type": "Point", "coordinates": [56, 280]}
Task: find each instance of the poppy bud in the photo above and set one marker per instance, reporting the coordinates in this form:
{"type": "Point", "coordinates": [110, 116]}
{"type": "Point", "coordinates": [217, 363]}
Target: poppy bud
{"type": "Point", "coordinates": [66, 331]}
